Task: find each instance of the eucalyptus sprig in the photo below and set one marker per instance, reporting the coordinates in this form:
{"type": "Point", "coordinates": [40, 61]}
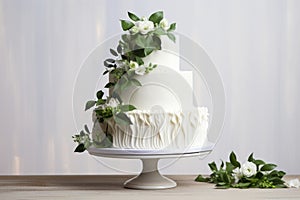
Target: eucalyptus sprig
{"type": "Point", "coordinates": [254, 173]}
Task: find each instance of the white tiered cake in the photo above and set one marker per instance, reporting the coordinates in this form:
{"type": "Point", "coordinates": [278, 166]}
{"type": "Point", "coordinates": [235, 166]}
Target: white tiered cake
{"type": "Point", "coordinates": [166, 117]}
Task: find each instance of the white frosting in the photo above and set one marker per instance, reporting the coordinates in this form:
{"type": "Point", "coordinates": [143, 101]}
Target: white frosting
{"type": "Point", "coordinates": [166, 86]}
{"type": "Point", "coordinates": [160, 130]}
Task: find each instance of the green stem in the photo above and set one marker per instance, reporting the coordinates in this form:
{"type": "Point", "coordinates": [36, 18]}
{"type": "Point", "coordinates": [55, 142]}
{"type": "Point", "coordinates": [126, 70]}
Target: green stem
{"type": "Point", "coordinates": [106, 130]}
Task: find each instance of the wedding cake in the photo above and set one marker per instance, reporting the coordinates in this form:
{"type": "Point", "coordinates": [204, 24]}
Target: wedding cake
{"type": "Point", "coordinates": [150, 104]}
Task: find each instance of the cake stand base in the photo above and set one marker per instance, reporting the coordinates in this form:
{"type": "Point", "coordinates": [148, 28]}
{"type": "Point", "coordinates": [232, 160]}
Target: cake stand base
{"type": "Point", "coordinates": [150, 178]}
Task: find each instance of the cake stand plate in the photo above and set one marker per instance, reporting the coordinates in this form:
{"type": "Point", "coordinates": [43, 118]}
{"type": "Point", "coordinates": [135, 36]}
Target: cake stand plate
{"type": "Point", "coordinates": [150, 178]}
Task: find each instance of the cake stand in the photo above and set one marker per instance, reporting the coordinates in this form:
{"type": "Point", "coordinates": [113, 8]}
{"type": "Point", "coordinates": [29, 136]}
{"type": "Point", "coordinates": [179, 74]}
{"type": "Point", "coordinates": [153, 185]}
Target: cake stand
{"type": "Point", "coordinates": [149, 178]}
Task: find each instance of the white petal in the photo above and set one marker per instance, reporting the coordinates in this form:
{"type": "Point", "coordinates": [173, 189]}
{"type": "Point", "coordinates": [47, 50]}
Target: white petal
{"type": "Point", "coordinates": [294, 183]}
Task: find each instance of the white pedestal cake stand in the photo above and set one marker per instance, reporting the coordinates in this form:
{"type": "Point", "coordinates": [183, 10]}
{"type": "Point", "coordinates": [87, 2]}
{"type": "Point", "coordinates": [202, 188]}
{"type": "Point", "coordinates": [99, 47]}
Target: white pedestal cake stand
{"type": "Point", "coordinates": [150, 177]}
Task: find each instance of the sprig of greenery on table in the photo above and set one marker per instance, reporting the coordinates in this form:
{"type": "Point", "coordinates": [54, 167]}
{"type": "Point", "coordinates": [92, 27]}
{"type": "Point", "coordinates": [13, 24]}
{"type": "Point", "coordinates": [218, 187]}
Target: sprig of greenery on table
{"type": "Point", "coordinates": [142, 38]}
{"type": "Point", "coordinates": [234, 175]}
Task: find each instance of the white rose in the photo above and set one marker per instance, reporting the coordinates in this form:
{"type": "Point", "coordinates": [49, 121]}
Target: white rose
{"type": "Point", "coordinates": [248, 169]}
{"type": "Point", "coordinates": [164, 24]}
{"type": "Point", "coordinates": [133, 65]}
{"type": "Point", "coordinates": [294, 183]}
{"type": "Point", "coordinates": [140, 70]}
{"type": "Point", "coordinates": [113, 102]}
{"type": "Point", "coordinates": [144, 26]}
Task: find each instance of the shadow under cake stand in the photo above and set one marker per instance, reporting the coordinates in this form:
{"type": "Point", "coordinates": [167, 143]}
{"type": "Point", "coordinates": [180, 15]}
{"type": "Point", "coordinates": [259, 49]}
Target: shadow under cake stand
{"type": "Point", "coordinates": [150, 177]}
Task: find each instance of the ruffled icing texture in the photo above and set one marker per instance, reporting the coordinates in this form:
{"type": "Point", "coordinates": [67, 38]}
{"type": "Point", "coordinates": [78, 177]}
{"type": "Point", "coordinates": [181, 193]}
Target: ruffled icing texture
{"type": "Point", "coordinates": [159, 130]}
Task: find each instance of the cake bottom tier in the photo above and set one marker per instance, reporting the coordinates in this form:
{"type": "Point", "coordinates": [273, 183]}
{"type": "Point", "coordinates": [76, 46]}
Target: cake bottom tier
{"type": "Point", "coordinates": [161, 130]}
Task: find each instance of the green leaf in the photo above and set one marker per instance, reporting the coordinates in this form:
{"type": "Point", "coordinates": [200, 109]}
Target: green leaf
{"type": "Point", "coordinates": [125, 108]}
{"type": "Point", "coordinates": [233, 160]}
{"type": "Point", "coordinates": [281, 174]}
{"type": "Point", "coordinates": [225, 177]}
{"type": "Point", "coordinates": [122, 119]}
{"type": "Point", "coordinates": [280, 186]}
{"type": "Point", "coordinates": [139, 60]}
{"type": "Point", "coordinates": [86, 128]}
{"type": "Point", "coordinates": [110, 84]}
{"type": "Point", "coordinates": [172, 27]}
{"type": "Point", "coordinates": [156, 17]}
{"type": "Point", "coordinates": [101, 102]}
{"type": "Point", "coordinates": [89, 104]}
{"type": "Point", "coordinates": [258, 162]}
{"type": "Point", "coordinates": [136, 82]}
{"type": "Point", "coordinates": [82, 133]}
{"type": "Point", "coordinates": [222, 165]}
{"type": "Point", "coordinates": [213, 166]}
{"type": "Point", "coordinates": [100, 94]}
{"type": "Point", "coordinates": [80, 148]}
{"type": "Point", "coordinates": [222, 185]}
{"type": "Point", "coordinates": [117, 96]}
{"type": "Point", "coordinates": [119, 48]}
{"type": "Point", "coordinates": [171, 37]}
{"type": "Point", "coordinates": [250, 158]}
{"type": "Point", "coordinates": [126, 25]}
{"type": "Point", "coordinates": [229, 167]}
{"type": "Point", "coordinates": [133, 16]}
{"type": "Point", "coordinates": [276, 180]}
{"type": "Point", "coordinates": [141, 41]}
{"type": "Point", "coordinates": [242, 185]}
{"type": "Point", "coordinates": [268, 167]}
{"type": "Point", "coordinates": [113, 52]}
{"type": "Point", "coordinates": [200, 178]}
{"type": "Point", "coordinates": [160, 31]}
{"type": "Point", "coordinates": [148, 51]}
{"type": "Point", "coordinates": [105, 143]}
{"type": "Point", "coordinates": [110, 60]}
{"type": "Point", "coordinates": [105, 72]}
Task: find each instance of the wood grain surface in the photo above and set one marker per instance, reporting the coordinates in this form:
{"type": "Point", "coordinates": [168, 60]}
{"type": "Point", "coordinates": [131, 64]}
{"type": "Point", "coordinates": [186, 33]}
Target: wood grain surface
{"type": "Point", "coordinates": [110, 187]}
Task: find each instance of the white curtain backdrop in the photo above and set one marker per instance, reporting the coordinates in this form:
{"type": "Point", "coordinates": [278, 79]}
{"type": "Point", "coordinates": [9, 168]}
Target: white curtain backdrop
{"type": "Point", "coordinates": [254, 44]}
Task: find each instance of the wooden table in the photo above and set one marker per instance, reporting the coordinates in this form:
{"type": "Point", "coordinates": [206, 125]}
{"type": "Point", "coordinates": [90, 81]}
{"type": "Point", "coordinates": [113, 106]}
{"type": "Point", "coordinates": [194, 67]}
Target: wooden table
{"type": "Point", "coordinates": [110, 187]}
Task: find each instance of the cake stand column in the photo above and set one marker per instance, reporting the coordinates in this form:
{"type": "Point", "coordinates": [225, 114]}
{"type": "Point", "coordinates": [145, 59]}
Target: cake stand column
{"type": "Point", "coordinates": [150, 178]}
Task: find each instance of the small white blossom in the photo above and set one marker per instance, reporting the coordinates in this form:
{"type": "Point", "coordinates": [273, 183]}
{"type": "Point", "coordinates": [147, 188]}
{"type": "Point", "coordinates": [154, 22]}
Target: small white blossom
{"type": "Point", "coordinates": [144, 26]}
{"type": "Point", "coordinates": [237, 174]}
{"type": "Point", "coordinates": [134, 29]}
{"type": "Point", "coordinates": [294, 183]}
{"type": "Point", "coordinates": [164, 24]}
{"type": "Point", "coordinates": [140, 70]}
{"type": "Point", "coordinates": [133, 65]}
{"type": "Point", "coordinates": [248, 169]}
{"type": "Point", "coordinates": [113, 102]}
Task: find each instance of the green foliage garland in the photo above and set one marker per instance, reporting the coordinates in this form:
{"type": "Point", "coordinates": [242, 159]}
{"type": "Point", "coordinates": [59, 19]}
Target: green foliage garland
{"type": "Point", "coordinates": [252, 174]}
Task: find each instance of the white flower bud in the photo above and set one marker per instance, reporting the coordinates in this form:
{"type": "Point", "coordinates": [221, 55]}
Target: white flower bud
{"type": "Point", "coordinates": [133, 65]}
{"type": "Point", "coordinates": [164, 24]}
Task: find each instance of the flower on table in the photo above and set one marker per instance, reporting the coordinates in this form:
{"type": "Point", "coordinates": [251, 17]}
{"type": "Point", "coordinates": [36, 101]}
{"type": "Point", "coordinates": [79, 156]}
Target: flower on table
{"type": "Point", "coordinates": [248, 169]}
{"type": "Point", "coordinates": [237, 174]}
{"type": "Point", "coordinates": [294, 183]}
